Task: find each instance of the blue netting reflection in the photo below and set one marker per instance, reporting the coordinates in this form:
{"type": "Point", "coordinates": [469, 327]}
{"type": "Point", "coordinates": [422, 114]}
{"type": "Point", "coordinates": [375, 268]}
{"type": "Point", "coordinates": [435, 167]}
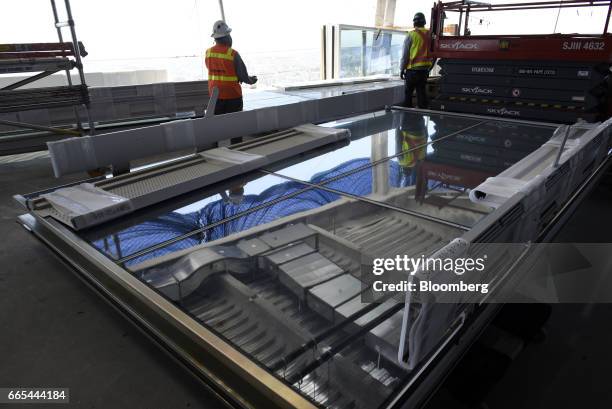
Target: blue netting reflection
{"type": "Point", "coordinates": [172, 225]}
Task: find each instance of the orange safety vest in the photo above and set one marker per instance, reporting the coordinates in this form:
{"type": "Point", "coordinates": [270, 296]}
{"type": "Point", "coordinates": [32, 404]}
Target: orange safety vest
{"type": "Point", "coordinates": [419, 49]}
{"type": "Point", "coordinates": [221, 72]}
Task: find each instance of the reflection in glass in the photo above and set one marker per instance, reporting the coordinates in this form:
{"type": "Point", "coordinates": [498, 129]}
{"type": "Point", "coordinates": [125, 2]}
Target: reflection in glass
{"type": "Point", "coordinates": [431, 179]}
{"type": "Point", "coordinates": [435, 179]}
{"type": "Point", "coordinates": [373, 138]}
{"type": "Point", "coordinates": [411, 139]}
{"type": "Point", "coordinates": [243, 203]}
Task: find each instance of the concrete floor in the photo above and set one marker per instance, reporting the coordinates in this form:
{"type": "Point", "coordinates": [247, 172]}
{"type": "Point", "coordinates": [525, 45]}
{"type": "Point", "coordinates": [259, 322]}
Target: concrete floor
{"type": "Point", "coordinates": [55, 332]}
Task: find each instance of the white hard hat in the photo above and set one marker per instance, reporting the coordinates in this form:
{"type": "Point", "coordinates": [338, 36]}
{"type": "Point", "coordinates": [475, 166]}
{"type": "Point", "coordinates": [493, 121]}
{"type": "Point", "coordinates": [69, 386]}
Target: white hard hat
{"type": "Point", "coordinates": [220, 29]}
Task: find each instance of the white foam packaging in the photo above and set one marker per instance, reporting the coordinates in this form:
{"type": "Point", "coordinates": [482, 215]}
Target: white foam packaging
{"type": "Point", "coordinates": [547, 184]}
{"type": "Point", "coordinates": [218, 164]}
{"type": "Point", "coordinates": [82, 154]}
{"type": "Point", "coordinates": [85, 204]}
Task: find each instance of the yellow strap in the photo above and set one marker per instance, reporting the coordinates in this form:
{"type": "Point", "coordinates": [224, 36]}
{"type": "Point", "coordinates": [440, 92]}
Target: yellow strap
{"type": "Point", "coordinates": [224, 56]}
{"type": "Point", "coordinates": [420, 64]}
{"type": "Point", "coordinates": [222, 78]}
{"type": "Point", "coordinates": [409, 135]}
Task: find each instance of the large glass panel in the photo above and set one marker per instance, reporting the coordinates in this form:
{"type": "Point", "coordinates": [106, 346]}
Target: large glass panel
{"type": "Point", "coordinates": [424, 164]}
{"type": "Point", "coordinates": [481, 144]}
{"type": "Point", "coordinates": [281, 269]}
{"type": "Point", "coordinates": [288, 294]}
{"type": "Point", "coordinates": [427, 166]}
{"type": "Point", "coordinates": [368, 132]}
{"type": "Point", "coordinates": [369, 51]}
{"type": "Point", "coordinates": [352, 50]}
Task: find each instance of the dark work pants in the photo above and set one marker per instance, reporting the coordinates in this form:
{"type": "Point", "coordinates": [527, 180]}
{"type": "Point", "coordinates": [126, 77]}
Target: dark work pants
{"type": "Point", "coordinates": [227, 106]}
{"type": "Point", "coordinates": [416, 80]}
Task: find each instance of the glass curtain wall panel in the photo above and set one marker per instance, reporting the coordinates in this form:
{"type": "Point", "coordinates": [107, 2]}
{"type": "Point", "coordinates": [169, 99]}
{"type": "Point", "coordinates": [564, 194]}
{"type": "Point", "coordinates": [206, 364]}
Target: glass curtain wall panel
{"type": "Point", "coordinates": [365, 51]}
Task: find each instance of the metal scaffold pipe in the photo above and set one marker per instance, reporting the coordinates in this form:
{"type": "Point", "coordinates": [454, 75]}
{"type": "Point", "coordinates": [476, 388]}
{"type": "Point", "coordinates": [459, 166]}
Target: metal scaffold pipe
{"type": "Point", "coordinates": [222, 10]}
{"type": "Point", "coordinates": [59, 131]}
{"type": "Point", "coordinates": [77, 52]}
{"type": "Point", "coordinates": [68, 76]}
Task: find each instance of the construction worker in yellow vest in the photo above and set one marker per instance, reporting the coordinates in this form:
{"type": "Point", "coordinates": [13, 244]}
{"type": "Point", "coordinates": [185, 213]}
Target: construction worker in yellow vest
{"type": "Point", "coordinates": [226, 71]}
{"type": "Point", "coordinates": [416, 62]}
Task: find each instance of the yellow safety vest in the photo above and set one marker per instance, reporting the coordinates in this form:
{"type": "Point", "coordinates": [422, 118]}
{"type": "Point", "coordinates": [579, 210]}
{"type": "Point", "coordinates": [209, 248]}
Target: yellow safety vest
{"type": "Point", "coordinates": [419, 49]}
{"type": "Point", "coordinates": [414, 149]}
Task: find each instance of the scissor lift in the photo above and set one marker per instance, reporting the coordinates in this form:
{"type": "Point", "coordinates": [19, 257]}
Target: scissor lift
{"type": "Point", "coordinates": [554, 77]}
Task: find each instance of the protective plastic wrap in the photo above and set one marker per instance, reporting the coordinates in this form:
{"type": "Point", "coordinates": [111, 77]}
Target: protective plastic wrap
{"type": "Point", "coordinates": [86, 205]}
{"type": "Point", "coordinates": [495, 191]}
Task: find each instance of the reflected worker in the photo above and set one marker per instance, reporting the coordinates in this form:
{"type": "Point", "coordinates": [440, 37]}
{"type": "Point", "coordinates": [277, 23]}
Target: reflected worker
{"type": "Point", "coordinates": [416, 62]}
{"type": "Point", "coordinates": [411, 140]}
{"type": "Point", "coordinates": [226, 71]}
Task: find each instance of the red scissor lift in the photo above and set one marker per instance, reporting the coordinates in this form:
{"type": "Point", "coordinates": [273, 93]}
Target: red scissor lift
{"type": "Point", "coordinates": [553, 77]}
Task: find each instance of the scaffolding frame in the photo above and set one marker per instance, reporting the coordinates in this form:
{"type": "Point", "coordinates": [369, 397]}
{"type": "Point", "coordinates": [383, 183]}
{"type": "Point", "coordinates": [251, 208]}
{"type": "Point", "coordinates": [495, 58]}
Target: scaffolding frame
{"type": "Point", "coordinates": [45, 57]}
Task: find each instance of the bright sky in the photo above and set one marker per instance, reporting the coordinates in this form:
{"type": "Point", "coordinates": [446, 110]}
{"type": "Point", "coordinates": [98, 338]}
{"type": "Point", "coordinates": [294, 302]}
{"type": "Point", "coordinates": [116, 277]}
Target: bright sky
{"type": "Point", "coordinates": [153, 28]}
{"type": "Point", "coordinates": [119, 29]}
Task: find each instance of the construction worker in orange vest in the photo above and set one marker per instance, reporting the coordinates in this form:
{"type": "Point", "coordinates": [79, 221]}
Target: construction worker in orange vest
{"type": "Point", "coordinates": [416, 62]}
{"type": "Point", "coordinates": [226, 71]}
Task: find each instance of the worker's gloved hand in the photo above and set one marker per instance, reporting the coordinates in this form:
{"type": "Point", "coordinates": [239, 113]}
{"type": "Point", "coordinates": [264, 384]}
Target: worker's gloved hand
{"type": "Point", "coordinates": [253, 79]}
{"type": "Point", "coordinates": [403, 74]}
